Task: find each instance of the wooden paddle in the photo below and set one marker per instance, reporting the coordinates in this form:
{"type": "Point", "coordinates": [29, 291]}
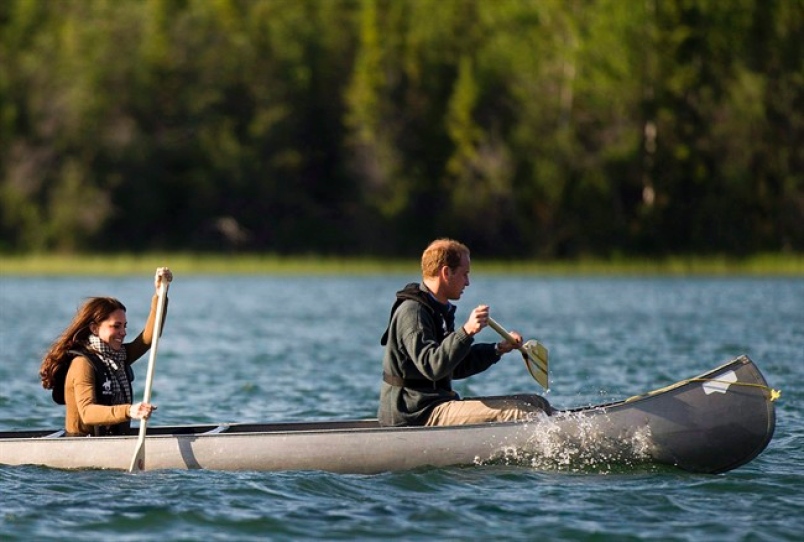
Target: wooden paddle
{"type": "Point", "coordinates": [138, 461]}
{"type": "Point", "coordinates": [534, 354]}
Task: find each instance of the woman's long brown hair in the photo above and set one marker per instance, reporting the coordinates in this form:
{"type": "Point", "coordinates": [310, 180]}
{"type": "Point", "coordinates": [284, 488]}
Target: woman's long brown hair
{"type": "Point", "coordinates": [94, 311]}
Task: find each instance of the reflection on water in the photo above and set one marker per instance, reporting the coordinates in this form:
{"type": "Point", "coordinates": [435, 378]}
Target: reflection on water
{"type": "Point", "coordinates": [247, 349]}
{"type": "Point", "coordinates": [277, 348]}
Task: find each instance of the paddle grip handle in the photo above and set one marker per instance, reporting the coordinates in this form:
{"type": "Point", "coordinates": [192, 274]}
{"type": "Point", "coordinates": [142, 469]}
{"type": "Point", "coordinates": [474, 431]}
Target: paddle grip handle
{"type": "Point", "coordinates": [159, 317]}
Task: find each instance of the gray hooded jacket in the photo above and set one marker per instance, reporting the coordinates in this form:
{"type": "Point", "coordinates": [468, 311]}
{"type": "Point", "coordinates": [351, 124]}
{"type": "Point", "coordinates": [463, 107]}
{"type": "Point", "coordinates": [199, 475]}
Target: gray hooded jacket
{"type": "Point", "coordinates": [423, 354]}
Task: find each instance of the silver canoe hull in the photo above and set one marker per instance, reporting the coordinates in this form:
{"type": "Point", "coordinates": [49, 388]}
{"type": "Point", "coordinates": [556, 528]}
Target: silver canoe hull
{"type": "Point", "coordinates": [712, 423]}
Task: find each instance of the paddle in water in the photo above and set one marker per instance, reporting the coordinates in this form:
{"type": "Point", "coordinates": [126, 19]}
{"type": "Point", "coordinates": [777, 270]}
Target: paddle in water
{"type": "Point", "coordinates": [533, 352]}
{"type": "Point", "coordinates": [138, 461]}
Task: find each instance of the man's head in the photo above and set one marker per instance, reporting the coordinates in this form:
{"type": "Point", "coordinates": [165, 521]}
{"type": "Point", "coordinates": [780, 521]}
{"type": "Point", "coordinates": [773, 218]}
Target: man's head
{"type": "Point", "coordinates": [445, 268]}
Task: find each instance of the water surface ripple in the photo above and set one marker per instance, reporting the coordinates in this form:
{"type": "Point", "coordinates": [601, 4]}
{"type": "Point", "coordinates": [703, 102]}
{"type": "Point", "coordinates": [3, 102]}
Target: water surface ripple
{"type": "Point", "coordinates": [298, 348]}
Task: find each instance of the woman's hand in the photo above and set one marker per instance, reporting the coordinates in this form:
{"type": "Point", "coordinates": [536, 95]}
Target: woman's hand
{"type": "Point", "coordinates": [162, 273]}
{"type": "Point", "coordinates": [140, 411]}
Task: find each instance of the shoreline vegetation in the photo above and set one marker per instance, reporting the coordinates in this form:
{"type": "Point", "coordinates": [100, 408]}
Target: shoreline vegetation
{"type": "Point", "coordinates": [537, 128]}
{"type": "Point", "coordinates": [267, 264]}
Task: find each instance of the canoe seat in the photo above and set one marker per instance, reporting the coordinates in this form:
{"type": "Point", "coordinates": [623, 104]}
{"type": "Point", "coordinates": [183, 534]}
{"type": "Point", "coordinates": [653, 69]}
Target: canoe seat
{"type": "Point", "coordinates": [220, 429]}
{"type": "Point", "coordinates": [57, 434]}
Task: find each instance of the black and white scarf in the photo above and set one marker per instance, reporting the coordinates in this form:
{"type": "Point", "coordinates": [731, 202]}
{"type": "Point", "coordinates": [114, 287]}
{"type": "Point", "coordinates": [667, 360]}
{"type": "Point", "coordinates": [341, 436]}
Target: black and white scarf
{"type": "Point", "coordinates": [115, 361]}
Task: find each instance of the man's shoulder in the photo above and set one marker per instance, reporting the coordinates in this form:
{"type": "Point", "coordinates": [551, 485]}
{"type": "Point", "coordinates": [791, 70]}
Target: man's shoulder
{"type": "Point", "coordinates": [413, 305]}
{"type": "Point", "coordinates": [411, 310]}
{"type": "Point", "coordinates": [412, 290]}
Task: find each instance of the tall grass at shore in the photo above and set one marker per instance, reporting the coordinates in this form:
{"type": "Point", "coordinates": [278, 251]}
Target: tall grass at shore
{"type": "Point", "coordinates": [255, 264]}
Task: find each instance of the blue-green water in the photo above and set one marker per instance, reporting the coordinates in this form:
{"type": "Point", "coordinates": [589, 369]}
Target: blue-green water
{"type": "Point", "coordinates": [299, 348]}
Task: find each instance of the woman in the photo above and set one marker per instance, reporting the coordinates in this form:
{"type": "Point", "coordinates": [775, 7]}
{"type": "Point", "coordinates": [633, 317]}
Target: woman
{"type": "Point", "coordinates": [89, 367]}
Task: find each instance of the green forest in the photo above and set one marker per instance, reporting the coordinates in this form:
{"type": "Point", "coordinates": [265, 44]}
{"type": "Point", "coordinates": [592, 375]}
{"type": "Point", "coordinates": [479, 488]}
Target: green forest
{"type": "Point", "coordinates": [535, 129]}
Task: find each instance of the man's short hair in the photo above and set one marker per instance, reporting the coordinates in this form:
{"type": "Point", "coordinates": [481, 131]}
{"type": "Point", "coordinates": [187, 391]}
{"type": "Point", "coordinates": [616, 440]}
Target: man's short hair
{"type": "Point", "coordinates": [442, 252]}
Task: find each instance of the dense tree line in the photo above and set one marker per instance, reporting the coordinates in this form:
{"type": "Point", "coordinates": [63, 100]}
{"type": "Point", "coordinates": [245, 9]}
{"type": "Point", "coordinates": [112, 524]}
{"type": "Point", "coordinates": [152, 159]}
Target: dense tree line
{"type": "Point", "coordinates": [527, 128]}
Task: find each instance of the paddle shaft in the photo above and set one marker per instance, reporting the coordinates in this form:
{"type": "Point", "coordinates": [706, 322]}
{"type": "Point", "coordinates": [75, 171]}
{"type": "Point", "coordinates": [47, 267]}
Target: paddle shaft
{"type": "Point", "coordinates": [138, 461]}
{"type": "Point", "coordinates": [507, 336]}
{"type": "Point", "coordinates": [501, 330]}
{"type": "Point", "coordinates": [539, 358]}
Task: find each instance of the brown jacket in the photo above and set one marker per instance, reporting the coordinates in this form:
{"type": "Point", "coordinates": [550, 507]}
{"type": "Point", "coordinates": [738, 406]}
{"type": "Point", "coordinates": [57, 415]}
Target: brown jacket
{"type": "Point", "coordinates": [82, 412]}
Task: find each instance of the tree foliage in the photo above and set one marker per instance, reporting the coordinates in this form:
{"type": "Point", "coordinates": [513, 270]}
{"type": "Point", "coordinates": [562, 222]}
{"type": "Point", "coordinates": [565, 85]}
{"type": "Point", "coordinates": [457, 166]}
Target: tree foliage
{"type": "Point", "coordinates": [526, 128]}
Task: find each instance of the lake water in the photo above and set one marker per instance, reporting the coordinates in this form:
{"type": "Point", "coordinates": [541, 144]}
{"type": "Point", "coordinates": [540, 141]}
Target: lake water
{"type": "Point", "coordinates": [273, 348]}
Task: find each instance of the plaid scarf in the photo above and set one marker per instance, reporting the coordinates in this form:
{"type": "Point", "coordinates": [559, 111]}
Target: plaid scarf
{"type": "Point", "coordinates": [115, 361]}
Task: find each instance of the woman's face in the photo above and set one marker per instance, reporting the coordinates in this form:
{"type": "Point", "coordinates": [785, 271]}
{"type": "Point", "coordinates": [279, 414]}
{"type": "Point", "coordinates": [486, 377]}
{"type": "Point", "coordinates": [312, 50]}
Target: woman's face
{"type": "Point", "coordinates": [112, 331]}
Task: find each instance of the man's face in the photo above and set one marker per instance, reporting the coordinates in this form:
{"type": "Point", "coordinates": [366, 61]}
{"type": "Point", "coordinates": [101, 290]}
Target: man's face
{"type": "Point", "coordinates": [457, 279]}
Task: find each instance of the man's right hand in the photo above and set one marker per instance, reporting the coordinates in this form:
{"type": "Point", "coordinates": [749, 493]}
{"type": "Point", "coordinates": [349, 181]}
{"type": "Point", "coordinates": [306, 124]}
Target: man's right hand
{"type": "Point", "coordinates": [477, 320]}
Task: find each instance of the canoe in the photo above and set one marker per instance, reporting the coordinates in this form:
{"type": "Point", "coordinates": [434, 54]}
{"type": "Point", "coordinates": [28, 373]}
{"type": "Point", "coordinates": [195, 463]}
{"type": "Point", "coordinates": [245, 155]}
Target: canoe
{"type": "Point", "coordinates": [712, 423]}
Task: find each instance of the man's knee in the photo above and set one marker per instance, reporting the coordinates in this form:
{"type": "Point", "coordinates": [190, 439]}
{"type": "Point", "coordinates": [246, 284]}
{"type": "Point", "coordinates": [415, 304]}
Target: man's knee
{"type": "Point", "coordinates": [534, 403]}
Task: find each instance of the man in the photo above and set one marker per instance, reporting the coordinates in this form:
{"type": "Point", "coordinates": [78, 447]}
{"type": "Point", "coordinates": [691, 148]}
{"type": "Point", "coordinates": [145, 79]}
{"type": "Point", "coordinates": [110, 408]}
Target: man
{"type": "Point", "coordinates": [424, 351]}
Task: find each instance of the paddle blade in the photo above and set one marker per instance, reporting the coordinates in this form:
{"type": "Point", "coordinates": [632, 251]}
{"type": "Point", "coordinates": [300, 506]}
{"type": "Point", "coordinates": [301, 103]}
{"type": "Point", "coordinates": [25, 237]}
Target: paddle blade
{"type": "Point", "coordinates": [138, 461]}
{"type": "Point", "coordinates": [536, 356]}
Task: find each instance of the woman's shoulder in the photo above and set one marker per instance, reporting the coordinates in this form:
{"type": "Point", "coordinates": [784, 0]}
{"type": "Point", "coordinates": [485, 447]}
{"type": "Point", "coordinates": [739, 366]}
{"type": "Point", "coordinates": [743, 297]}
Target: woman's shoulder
{"type": "Point", "coordinates": [81, 362]}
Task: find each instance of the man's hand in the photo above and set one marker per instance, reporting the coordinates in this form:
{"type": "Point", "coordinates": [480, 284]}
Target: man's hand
{"type": "Point", "coordinates": [477, 320]}
{"type": "Point", "coordinates": [503, 347]}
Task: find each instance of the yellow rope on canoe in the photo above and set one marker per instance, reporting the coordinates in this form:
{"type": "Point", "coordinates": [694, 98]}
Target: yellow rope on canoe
{"type": "Point", "coordinates": [773, 394]}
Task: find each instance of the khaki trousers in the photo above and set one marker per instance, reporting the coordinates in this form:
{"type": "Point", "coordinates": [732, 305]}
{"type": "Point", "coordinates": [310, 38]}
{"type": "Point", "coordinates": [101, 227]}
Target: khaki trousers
{"type": "Point", "coordinates": [488, 409]}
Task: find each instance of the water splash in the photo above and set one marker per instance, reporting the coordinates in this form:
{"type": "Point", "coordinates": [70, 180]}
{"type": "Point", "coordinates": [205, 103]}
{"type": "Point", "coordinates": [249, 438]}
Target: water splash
{"type": "Point", "coordinates": [577, 442]}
